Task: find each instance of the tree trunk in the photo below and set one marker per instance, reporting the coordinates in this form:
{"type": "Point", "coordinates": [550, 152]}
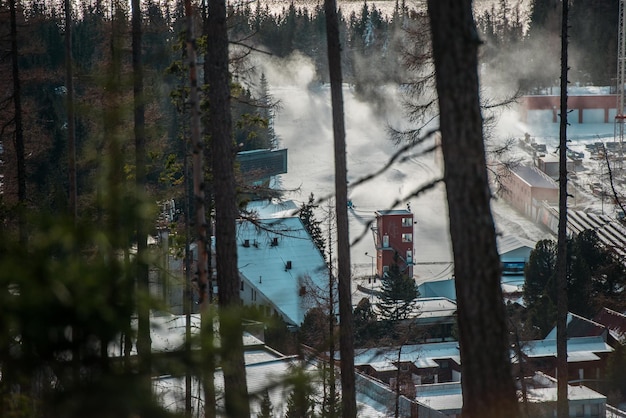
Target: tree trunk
{"type": "Point", "coordinates": [346, 325]}
{"type": "Point", "coordinates": [562, 405]}
{"type": "Point", "coordinates": [71, 153]}
{"type": "Point", "coordinates": [71, 125]}
{"type": "Point", "coordinates": [223, 155]}
{"type": "Point", "coordinates": [187, 299]}
{"type": "Point", "coordinates": [112, 191]}
{"type": "Point", "coordinates": [202, 276]}
{"type": "Point", "coordinates": [487, 381]}
{"type": "Point", "coordinates": [209, 356]}
{"type": "Point", "coordinates": [19, 129]}
{"type": "Point", "coordinates": [143, 308]}
{"type": "Point", "coordinates": [197, 160]}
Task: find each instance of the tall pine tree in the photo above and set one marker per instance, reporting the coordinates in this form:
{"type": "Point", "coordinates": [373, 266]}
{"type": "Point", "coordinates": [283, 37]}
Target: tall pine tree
{"type": "Point", "coordinates": [266, 409]}
{"type": "Point", "coordinates": [398, 293]}
{"type": "Point", "coordinates": [311, 224]}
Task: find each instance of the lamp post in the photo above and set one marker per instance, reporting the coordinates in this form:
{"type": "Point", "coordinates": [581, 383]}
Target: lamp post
{"type": "Point", "coordinates": [372, 276]}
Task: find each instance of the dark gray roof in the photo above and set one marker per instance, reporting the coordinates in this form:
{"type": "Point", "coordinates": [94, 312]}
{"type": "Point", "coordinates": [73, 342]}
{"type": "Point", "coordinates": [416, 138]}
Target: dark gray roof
{"type": "Point", "coordinates": [534, 177]}
{"type": "Point", "coordinates": [393, 212]}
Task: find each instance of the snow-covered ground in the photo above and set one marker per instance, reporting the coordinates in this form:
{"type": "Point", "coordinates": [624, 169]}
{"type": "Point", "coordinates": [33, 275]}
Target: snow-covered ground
{"type": "Point", "coordinates": [304, 126]}
{"type": "Point", "coordinates": [592, 170]}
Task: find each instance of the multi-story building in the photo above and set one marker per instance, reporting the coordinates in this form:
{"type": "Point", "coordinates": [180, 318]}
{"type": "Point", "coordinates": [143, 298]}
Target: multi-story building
{"type": "Point", "coordinates": [525, 187]}
{"type": "Point", "coordinates": [583, 108]}
{"type": "Point", "coordinates": [393, 234]}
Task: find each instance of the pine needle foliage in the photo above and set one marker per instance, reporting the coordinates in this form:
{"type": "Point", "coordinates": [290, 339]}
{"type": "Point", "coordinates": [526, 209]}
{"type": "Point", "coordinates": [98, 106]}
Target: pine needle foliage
{"type": "Point", "coordinates": [398, 293]}
{"type": "Point", "coordinates": [311, 224]}
{"type": "Point", "coordinates": [266, 410]}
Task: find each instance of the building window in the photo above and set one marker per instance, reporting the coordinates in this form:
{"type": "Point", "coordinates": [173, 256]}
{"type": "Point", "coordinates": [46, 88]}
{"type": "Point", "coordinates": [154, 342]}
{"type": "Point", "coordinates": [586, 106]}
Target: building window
{"type": "Point", "coordinates": [241, 284]}
{"type": "Point", "coordinates": [407, 237]}
{"type": "Point", "coordinates": [406, 222]}
{"type": "Point", "coordinates": [409, 256]}
{"type": "Point", "coordinates": [385, 241]}
{"type": "Point", "coordinates": [513, 267]}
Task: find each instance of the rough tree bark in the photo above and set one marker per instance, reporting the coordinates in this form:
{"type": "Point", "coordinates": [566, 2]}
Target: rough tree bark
{"type": "Point", "coordinates": [209, 360]}
{"type": "Point", "coordinates": [202, 277]}
{"type": "Point", "coordinates": [187, 299]}
{"type": "Point", "coordinates": [19, 129]}
{"type": "Point", "coordinates": [346, 325]}
{"type": "Point", "coordinates": [562, 405]}
{"type": "Point", "coordinates": [71, 125]}
{"type": "Point", "coordinates": [71, 153]}
{"type": "Point", "coordinates": [197, 159]}
{"type": "Point", "coordinates": [487, 382]}
{"type": "Point", "coordinates": [223, 155]}
{"type": "Point", "coordinates": [143, 309]}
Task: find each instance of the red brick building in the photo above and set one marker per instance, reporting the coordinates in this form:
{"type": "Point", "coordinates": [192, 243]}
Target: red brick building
{"type": "Point", "coordinates": [393, 234]}
{"type": "Point", "coordinates": [593, 108]}
{"type": "Point", "coordinates": [525, 187]}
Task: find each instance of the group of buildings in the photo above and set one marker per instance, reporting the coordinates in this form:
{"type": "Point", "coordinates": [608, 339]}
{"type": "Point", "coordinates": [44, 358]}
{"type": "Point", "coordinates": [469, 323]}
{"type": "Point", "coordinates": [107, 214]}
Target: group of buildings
{"type": "Point", "coordinates": [284, 273]}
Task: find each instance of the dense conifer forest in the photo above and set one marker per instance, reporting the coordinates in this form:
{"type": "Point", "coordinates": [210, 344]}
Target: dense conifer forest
{"type": "Point", "coordinates": [69, 283]}
{"type": "Point", "coordinates": [376, 50]}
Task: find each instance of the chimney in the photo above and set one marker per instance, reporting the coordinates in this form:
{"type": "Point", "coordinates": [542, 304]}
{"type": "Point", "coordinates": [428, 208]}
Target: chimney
{"type": "Point", "coordinates": [288, 265]}
{"type": "Point", "coordinates": [274, 241]}
{"type": "Point", "coordinates": [246, 243]}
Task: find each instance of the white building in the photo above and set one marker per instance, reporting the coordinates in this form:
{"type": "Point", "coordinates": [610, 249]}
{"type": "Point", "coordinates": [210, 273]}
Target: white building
{"type": "Point", "coordinates": [280, 267]}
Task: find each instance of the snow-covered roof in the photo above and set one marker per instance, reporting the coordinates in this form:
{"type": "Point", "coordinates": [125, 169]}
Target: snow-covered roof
{"type": "Point", "coordinates": [419, 354]}
{"type": "Point", "coordinates": [447, 397]}
{"type": "Point", "coordinates": [260, 375]}
{"type": "Point", "coordinates": [393, 212]}
{"type": "Point", "coordinates": [266, 209]}
{"type": "Point", "coordinates": [278, 258]}
{"type": "Point", "coordinates": [433, 309]}
{"type": "Point", "coordinates": [512, 286]}
{"type": "Point", "coordinates": [574, 393]}
{"type": "Point", "coordinates": [611, 233]}
{"type": "Point", "coordinates": [383, 358]}
{"type": "Point", "coordinates": [534, 177]}
{"type": "Point", "coordinates": [578, 326]}
{"type": "Point", "coordinates": [549, 158]}
{"type": "Point", "coordinates": [508, 243]}
{"type": "Point", "coordinates": [389, 365]}
{"type": "Point", "coordinates": [443, 397]}
{"type": "Point", "coordinates": [577, 348]}
{"type": "Point", "coordinates": [167, 334]}
{"type": "Point", "coordinates": [272, 375]}
{"type": "Point", "coordinates": [614, 321]}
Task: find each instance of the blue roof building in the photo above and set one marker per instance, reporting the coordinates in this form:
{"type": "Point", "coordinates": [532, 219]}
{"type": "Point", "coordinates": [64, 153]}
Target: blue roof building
{"type": "Point", "coordinates": [281, 268]}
